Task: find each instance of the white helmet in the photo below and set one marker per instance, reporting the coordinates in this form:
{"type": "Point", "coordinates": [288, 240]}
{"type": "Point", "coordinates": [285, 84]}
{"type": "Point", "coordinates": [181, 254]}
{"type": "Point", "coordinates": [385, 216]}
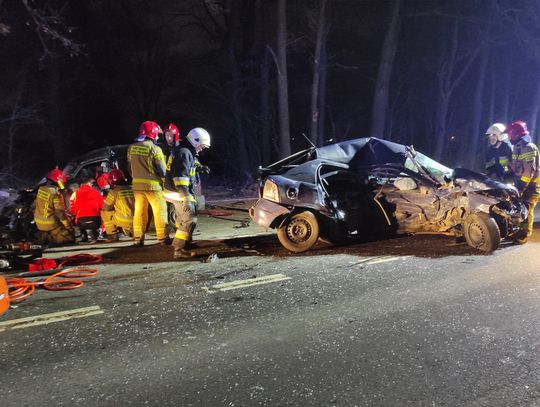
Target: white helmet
{"type": "Point", "coordinates": [199, 139]}
{"type": "Point", "coordinates": [498, 130]}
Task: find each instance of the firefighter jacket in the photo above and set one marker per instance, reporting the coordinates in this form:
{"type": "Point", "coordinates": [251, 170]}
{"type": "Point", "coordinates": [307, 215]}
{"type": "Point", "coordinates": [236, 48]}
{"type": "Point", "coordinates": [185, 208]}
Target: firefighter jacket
{"type": "Point", "coordinates": [181, 171]}
{"type": "Point", "coordinates": [526, 164]}
{"type": "Point", "coordinates": [87, 202]}
{"type": "Point", "coordinates": [147, 165]}
{"type": "Point", "coordinates": [120, 200]}
{"type": "Point", "coordinates": [50, 209]}
{"type": "Point", "coordinates": [498, 159]}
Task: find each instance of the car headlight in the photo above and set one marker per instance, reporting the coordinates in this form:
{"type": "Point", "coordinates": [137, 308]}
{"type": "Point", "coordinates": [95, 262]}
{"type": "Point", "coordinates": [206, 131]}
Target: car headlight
{"type": "Point", "coordinates": [270, 191]}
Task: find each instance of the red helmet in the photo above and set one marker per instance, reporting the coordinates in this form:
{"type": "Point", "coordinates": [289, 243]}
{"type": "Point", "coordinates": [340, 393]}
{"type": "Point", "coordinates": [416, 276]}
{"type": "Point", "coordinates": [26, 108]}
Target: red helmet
{"type": "Point", "coordinates": [115, 176]}
{"type": "Point", "coordinates": [149, 129]}
{"type": "Point", "coordinates": [517, 130]}
{"type": "Point", "coordinates": [173, 130]}
{"type": "Point", "coordinates": [57, 176]}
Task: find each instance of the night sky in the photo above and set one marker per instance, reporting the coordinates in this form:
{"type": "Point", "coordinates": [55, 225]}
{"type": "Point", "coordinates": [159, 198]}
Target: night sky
{"type": "Point", "coordinates": [82, 75]}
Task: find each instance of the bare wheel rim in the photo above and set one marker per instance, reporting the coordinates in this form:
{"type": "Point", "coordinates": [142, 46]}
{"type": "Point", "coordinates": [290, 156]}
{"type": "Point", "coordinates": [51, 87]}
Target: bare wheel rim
{"type": "Point", "coordinates": [476, 234]}
{"type": "Point", "coordinates": [299, 230]}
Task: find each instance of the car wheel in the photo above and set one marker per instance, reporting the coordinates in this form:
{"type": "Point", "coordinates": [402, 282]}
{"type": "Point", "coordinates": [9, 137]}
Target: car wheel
{"type": "Point", "coordinates": [299, 232]}
{"type": "Point", "coordinates": [481, 232]}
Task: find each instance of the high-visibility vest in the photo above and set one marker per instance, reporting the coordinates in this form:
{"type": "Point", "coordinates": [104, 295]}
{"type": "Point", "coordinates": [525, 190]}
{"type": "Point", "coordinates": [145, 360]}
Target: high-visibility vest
{"type": "Point", "coordinates": [50, 209]}
{"type": "Point", "coordinates": [121, 200]}
{"type": "Point", "coordinates": [147, 165]}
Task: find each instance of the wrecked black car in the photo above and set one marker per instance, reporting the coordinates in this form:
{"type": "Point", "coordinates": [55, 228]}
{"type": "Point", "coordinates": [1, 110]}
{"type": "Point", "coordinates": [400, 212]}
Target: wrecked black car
{"type": "Point", "coordinates": [16, 208]}
{"type": "Point", "coordinates": [370, 187]}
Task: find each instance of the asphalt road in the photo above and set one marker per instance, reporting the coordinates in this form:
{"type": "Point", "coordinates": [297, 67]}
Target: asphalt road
{"type": "Point", "coordinates": [418, 321]}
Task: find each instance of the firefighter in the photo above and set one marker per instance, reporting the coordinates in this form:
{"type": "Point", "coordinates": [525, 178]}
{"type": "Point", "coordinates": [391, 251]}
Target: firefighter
{"type": "Point", "coordinates": [526, 169]}
{"type": "Point", "coordinates": [86, 206]}
{"type": "Point", "coordinates": [147, 166]}
{"type": "Point", "coordinates": [50, 214]}
{"type": "Point", "coordinates": [118, 208]}
{"type": "Point", "coordinates": [181, 171]}
{"type": "Point", "coordinates": [102, 177]}
{"type": "Point", "coordinates": [499, 153]}
{"type": "Point", "coordinates": [172, 135]}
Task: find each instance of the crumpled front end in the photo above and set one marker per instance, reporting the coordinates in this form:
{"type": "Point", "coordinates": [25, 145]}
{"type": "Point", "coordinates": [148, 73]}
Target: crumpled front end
{"type": "Point", "coordinates": [504, 205]}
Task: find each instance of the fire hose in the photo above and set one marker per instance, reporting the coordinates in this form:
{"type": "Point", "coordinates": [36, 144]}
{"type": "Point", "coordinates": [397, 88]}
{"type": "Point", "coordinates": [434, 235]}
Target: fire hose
{"type": "Point", "coordinates": [20, 288]}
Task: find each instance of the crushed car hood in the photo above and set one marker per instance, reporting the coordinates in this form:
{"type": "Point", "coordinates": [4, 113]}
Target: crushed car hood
{"type": "Point", "coordinates": [471, 181]}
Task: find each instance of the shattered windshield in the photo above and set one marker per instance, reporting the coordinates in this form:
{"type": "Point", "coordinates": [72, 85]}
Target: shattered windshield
{"type": "Point", "coordinates": [436, 170]}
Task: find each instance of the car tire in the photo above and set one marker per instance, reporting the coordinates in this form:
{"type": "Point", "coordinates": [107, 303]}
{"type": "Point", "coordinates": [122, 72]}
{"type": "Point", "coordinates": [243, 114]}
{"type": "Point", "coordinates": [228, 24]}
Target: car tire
{"type": "Point", "coordinates": [481, 232]}
{"type": "Point", "coordinates": [299, 232]}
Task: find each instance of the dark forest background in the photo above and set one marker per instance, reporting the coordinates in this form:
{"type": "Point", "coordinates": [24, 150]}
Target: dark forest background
{"type": "Point", "coordinates": [78, 75]}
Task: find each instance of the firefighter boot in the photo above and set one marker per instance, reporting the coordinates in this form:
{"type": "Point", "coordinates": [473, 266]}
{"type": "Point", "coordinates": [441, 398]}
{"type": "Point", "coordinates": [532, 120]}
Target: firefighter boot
{"type": "Point", "coordinates": [183, 254]}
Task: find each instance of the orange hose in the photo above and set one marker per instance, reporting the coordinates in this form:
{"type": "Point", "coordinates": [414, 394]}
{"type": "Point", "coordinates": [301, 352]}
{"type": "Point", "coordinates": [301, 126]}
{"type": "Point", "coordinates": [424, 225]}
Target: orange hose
{"type": "Point", "coordinates": [20, 288]}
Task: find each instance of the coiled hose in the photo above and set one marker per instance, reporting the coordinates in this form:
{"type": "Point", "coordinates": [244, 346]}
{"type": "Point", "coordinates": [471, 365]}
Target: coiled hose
{"type": "Point", "coordinates": [20, 288]}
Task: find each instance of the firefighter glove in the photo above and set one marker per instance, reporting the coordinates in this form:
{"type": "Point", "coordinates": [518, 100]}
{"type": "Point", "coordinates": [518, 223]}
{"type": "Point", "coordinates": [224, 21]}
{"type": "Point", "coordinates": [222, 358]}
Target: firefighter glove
{"type": "Point", "coordinates": [203, 169]}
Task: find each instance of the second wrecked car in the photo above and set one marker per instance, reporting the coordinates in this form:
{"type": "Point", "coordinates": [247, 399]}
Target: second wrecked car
{"type": "Point", "coordinates": [371, 187]}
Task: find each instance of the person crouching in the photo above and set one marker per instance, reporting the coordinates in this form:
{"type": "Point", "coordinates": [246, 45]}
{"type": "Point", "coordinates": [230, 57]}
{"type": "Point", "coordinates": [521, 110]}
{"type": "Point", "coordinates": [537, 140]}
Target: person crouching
{"type": "Point", "coordinates": [118, 207]}
{"type": "Point", "coordinates": [86, 206]}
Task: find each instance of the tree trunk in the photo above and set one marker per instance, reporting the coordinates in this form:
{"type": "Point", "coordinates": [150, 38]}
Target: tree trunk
{"type": "Point", "coordinates": [477, 118]}
{"type": "Point", "coordinates": [534, 115]}
{"type": "Point", "coordinates": [382, 86]}
{"type": "Point", "coordinates": [283, 93]}
{"type": "Point", "coordinates": [322, 97]}
{"type": "Point", "coordinates": [234, 41]}
{"type": "Point", "coordinates": [316, 74]}
{"type": "Point", "coordinates": [441, 120]}
{"type": "Point", "coordinates": [265, 113]}
{"type": "Point", "coordinates": [59, 145]}
{"type": "Point", "coordinates": [492, 101]}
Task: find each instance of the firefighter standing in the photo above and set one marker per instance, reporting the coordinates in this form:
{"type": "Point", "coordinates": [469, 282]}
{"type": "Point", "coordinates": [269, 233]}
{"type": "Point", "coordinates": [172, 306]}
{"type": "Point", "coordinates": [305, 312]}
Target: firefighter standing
{"type": "Point", "coordinates": [181, 172]}
{"type": "Point", "coordinates": [50, 214]}
{"type": "Point", "coordinates": [526, 168]}
{"type": "Point", "coordinates": [118, 208]}
{"type": "Point", "coordinates": [499, 153]}
{"type": "Point", "coordinates": [147, 166]}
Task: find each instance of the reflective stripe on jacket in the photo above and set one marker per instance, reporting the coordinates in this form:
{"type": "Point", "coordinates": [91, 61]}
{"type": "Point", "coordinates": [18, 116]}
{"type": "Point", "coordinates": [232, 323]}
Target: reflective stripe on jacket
{"type": "Point", "coordinates": [147, 165]}
{"type": "Point", "coordinates": [50, 209]}
{"type": "Point", "coordinates": [498, 159]}
{"type": "Point", "coordinates": [120, 200]}
{"type": "Point", "coordinates": [180, 172]}
{"type": "Point", "coordinates": [526, 163]}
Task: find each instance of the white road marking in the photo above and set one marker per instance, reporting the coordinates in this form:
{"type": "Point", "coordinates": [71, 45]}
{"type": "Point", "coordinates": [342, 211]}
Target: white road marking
{"type": "Point", "coordinates": [382, 260]}
{"type": "Point", "coordinates": [233, 285]}
{"type": "Point", "coordinates": [50, 318]}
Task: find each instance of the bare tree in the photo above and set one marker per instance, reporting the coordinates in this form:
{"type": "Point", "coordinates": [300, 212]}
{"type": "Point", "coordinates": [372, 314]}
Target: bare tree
{"type": "Point", "coordinates": [318, 67]}
{"type": "Point", "coordinates": [382, 86]}
{"type": "Point", "coordinates": [48, 22]}
{"type": "Point", "coordinates": [454, 63]}
{"type": "Point", "coordinates": [283, 93]}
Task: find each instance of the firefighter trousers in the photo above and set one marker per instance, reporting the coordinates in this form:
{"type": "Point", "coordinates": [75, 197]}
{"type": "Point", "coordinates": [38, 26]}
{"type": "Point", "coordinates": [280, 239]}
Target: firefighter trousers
{"type": "Point", "coordinates": [140, 216]}
{"type": "Point", "coordinates": [186, 222]}
{"type": "Point", "coordinates": [60, 234]}
{"type": "Point", "coordinates": [530, 198]}
{"type": "Point", "coordinates": [112, 223]}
